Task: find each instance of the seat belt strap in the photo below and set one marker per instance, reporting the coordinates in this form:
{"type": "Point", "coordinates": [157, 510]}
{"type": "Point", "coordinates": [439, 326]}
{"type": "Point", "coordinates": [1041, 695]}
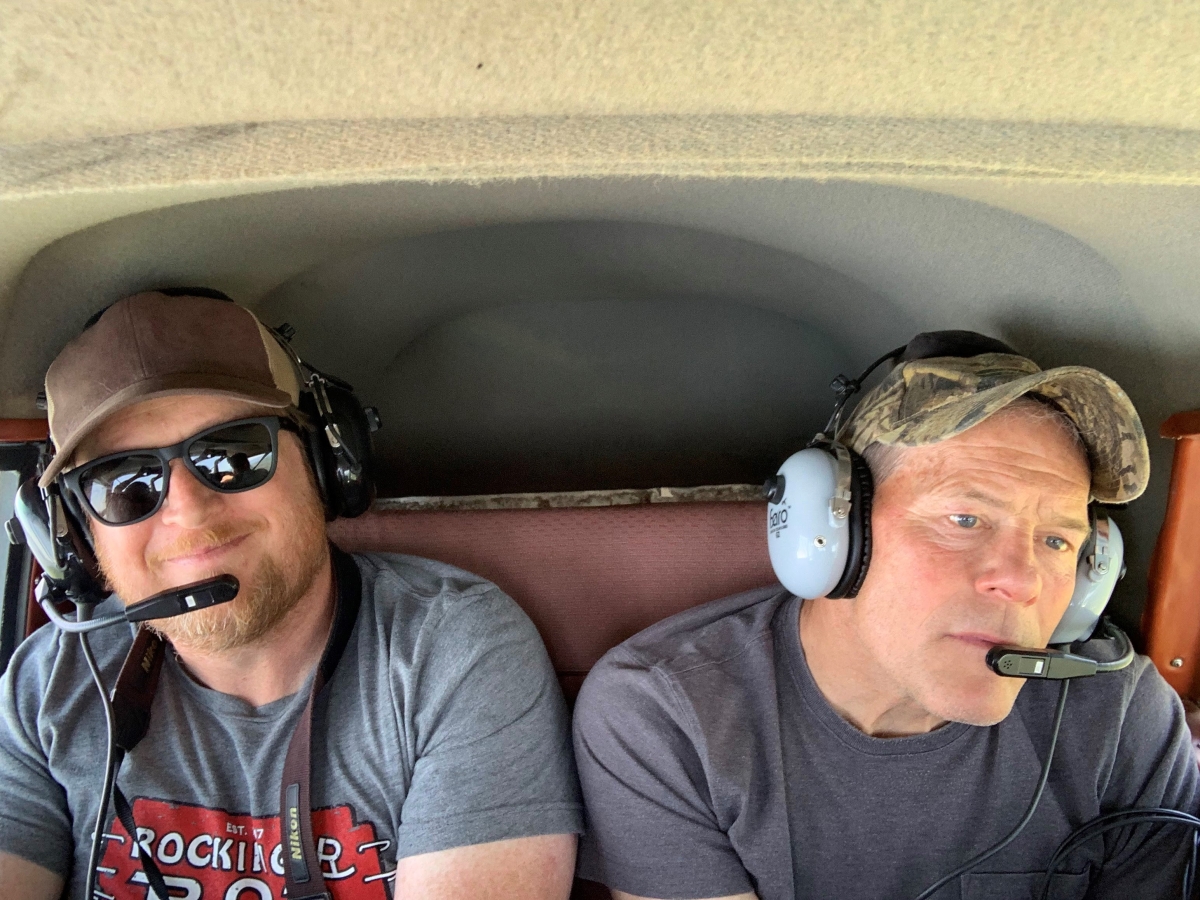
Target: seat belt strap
{"type": "Point", "coordinates": [302, 867]}
{"type": "Point", "coordinates": [136, 685]}
{"type": "Point", "coordinates": [131, 699]}
{"type": "Point", "coordinates": [125, 814]}
{"type": "Point", "coordinates": [134, 695]}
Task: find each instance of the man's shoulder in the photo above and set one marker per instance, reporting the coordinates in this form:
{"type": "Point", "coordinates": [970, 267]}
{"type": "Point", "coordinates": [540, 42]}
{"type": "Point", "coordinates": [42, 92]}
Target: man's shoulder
{"type": "Point", "coordinates": [1137, 694]}
{"type": "Point", "coordinates": [409, 595]}
{"type": "Point", "coordinates": [1131, 713]}
{"type": "Point", "coordinates": [399, 578]}
{"type": "Point", "coordinates": [1114, 699]}
{"type": "Point", "coordinates": [50, 653]}
{"type": "Point", "coordinates": [692, 683]}
{"type": "Point", "coordinates": [703, 637]}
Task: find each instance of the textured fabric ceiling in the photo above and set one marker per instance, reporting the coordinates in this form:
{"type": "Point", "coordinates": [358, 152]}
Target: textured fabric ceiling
{"type": "Point", "coordinates": [71, 69]}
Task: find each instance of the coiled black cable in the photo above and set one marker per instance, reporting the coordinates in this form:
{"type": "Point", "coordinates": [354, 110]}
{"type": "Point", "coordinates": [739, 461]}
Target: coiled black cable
{"type": "Point", "coordinates": [1124, 819]}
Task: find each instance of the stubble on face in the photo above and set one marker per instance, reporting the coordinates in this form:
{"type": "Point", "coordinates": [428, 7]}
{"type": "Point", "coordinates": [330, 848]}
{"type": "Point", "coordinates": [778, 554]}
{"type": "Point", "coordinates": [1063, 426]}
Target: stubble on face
{"type": "Point", "coordinates": [265, 598]}
{"type": "Point", "coordinates": [1014, 451]}
{"type": "Point", "coordinates": [938, 595]}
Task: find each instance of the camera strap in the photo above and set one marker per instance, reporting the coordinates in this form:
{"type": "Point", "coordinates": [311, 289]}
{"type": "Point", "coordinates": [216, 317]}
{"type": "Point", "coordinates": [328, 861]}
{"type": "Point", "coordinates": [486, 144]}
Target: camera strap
{"type": "Point", "coordinates": [134, 694]}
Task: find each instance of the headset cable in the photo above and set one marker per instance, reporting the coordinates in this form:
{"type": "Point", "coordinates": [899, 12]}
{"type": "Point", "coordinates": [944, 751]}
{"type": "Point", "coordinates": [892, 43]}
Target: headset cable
{"type": "Point", "coordinates": [1037, 796]}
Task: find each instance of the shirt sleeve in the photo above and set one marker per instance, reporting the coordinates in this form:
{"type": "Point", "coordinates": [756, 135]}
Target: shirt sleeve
{"type": "Point", "coordinates": [493, 758]}
{"type": "Point", "coordinates": [35, 822]}
{"type": "Point", "coordinates": [1154, 767]}
{"type": "Point", "coordinates": [651, 829]}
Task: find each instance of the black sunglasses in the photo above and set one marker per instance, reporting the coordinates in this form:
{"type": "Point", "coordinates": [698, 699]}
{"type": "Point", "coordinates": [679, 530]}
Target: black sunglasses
{"type": "Point", "coordinates": [124, 488]}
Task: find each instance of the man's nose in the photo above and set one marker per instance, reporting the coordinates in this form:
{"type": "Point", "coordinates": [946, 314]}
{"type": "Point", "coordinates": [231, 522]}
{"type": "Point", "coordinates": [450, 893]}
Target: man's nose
{"type": "Point", "coordinates": [189, 502]}
{"type": "Point", "coordinates": [1009, 568]}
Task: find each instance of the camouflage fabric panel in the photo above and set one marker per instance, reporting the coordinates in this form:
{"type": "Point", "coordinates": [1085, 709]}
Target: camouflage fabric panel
{"type": "Point", "coordinates": [929, 400]}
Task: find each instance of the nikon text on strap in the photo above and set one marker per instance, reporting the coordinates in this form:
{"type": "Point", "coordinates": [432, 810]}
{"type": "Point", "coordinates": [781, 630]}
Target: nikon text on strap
{"type": "Point", "coordinates": [302, 868]}
{"type": "Point", "coordinates": [134, 695]}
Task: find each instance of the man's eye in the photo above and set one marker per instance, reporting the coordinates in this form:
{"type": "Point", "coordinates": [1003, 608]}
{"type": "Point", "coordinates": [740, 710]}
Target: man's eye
{"type": "Point", "coordinates": [964, 521]}
{"type": "Point", "coordinates": [1057, 543]}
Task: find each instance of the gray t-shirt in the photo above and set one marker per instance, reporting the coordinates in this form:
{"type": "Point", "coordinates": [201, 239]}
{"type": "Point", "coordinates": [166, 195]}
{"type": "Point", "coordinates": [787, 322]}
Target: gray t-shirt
{"type": "Point", "coordinates": [442, 726]}
{"type": "Point", "coordinates": [711, 764]}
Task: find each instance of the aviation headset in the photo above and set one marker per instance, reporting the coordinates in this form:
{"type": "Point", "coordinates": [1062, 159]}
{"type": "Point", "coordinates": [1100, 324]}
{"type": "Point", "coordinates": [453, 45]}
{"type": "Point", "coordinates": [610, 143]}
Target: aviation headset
{"type": "Point", "coordinates": [819, 507]}
{"type": "Point", "coordinates": [335, 432]}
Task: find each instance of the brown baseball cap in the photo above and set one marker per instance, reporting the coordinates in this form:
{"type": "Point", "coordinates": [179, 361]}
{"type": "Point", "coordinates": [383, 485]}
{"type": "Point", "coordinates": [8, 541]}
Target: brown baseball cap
{"type": "Point", "coordinates": [153, 345]}
{"type": "Point", "coordinates": [923, 401]}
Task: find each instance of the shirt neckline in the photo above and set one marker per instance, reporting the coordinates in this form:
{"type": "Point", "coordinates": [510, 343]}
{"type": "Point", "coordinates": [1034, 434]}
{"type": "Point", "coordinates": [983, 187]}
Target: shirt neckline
{"type": "Point", "coordinates": [787, 634]}
{"type": "Point", "coordinates": [227, 704]}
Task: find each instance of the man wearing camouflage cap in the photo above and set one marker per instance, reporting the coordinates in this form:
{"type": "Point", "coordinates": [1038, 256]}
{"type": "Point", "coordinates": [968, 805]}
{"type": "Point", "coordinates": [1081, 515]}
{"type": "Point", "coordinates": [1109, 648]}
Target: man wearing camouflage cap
{"type": "Point", "coordinates": [772, 747]}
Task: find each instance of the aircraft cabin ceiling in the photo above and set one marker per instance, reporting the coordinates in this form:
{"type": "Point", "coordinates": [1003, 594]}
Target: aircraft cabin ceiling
{"type": "Point", "coordinates": [571, 245]}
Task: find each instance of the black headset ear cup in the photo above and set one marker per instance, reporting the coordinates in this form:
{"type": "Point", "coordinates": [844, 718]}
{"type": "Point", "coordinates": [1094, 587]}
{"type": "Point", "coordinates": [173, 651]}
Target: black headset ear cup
{"type": "Point", "coordinates": [87, 578]}
{"type": "Point", "coordinates": [79, 532]}
{"type": "Point", "coordinates": [74, 509]}
{"type": "Point", "coordinates": [320, 456]}
{"type": "Point", "coordinates": [356, 497]}
{"type": "Point", "coordinates": [858, 557]}
{"type": "Point", "coordinates": [341, 498]}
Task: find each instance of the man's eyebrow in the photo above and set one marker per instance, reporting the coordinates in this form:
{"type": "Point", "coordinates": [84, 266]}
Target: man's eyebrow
{"type": "Point", "coordinates": [984, 497]}
{"type": "Point", "coordinates": [1070, 522]}
{"type": "Point", "coordinates": [1067, 522]}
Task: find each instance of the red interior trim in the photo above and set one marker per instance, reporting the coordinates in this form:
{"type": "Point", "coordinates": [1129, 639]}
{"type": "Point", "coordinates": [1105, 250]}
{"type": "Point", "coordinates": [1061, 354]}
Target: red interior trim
{"type": "Point", "coordinates": [1181, 425]}
{"type": "Point", "coordinates": [20, 431]}
{"type": "Point", "coordinates": [1171, 621]}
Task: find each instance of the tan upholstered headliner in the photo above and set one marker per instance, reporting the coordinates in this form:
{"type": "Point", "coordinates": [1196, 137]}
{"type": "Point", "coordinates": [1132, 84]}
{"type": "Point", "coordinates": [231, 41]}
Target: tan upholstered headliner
{"type": "Point", "coordinates": [109, 108]}
{"type": "Point", "coordinates": [73, 69]}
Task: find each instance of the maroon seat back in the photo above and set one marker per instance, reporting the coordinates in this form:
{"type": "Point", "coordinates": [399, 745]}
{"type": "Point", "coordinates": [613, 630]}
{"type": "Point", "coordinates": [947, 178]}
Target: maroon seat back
{"type": "Point", "coordinates": [588, 577]}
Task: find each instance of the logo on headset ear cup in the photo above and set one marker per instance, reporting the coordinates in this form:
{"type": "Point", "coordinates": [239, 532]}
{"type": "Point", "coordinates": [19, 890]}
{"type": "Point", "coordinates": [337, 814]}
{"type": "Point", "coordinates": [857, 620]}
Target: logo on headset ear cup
{"type": "Point", "coordinates": [814, 551]}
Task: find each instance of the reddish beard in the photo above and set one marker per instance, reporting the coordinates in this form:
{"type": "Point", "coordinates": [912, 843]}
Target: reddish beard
{"type": "Point", "coordinates": [266, 596]}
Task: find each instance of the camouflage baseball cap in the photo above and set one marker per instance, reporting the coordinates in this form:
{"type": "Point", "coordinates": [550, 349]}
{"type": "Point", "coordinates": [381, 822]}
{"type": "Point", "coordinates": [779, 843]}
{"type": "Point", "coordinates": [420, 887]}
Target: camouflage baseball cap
{"type": "Point", "coordinates": [923, 401]}
{"type": "Point", "coordinates": [156, 344]}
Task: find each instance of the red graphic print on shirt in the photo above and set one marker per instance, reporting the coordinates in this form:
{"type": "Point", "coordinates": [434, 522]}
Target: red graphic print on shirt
{"type": "Point", "coordinates": [209, 854]}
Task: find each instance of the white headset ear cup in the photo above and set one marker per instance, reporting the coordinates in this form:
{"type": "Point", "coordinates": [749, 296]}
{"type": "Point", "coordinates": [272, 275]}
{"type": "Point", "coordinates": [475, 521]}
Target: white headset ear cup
{"type": "Point", "coordinates": [807, 543]}
{"type": "Point", "coordinates": [1093, 590]}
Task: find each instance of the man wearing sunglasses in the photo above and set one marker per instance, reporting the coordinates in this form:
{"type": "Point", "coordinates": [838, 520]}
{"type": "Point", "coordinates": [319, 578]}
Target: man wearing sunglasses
{"type": "Point", "coordinates": [440, 765]}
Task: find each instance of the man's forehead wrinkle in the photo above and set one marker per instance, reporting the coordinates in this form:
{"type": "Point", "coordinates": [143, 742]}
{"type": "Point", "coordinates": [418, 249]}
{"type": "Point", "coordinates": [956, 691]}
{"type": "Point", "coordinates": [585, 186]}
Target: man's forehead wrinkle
{"type": "Point", "coordinates": [1070, 523]}
{"type": "Point", "coordinates": [998, 476]}
{"type": "Point", "coordinates": [965, 472]}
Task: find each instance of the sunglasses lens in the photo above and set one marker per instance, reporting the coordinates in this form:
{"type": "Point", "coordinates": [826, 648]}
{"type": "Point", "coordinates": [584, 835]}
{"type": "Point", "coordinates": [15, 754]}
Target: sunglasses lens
{"type": "Point", "coordinates": [236, 458]}
{"type": "Point", "coordinates": [123, 490]}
